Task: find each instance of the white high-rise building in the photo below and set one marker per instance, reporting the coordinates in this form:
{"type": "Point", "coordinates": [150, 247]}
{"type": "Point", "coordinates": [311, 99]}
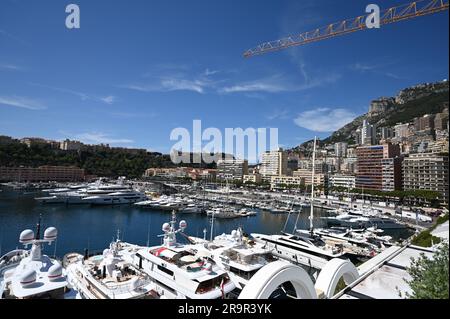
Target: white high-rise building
{"type": "Point", "coordinates": [340, 149]}
{"type": "Point", "coordinates": [368, 134]}
{"type": "Point", "coordinates": [274, 163]}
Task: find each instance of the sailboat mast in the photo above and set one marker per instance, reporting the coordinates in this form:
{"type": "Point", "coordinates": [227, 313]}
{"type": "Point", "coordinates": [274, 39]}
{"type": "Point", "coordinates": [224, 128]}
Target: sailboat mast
{"type": "Point", "coordinates": [311, 217]}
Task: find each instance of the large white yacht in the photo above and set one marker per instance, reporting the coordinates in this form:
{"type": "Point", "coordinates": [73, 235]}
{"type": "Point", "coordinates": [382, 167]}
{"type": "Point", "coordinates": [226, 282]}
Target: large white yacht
{"type": "Point", "coordinates": [29, 274]}
{"type": "Point", "coordinates": [222, 212]}
{"type": "Point", "coordinates": [77, 194]}
{"type": "Point", "coordinates": [238, 254]}
{"type": "Point", "coordinates": [183, 271]}
{"type": "Point", "coordinates": [351, 220]}
{"type": "Point", "coordinates": [308, 247]}
{"type": "Point", "coordinates": [116, 198]}
{"type": "Point", "coordinates": [110, 275]}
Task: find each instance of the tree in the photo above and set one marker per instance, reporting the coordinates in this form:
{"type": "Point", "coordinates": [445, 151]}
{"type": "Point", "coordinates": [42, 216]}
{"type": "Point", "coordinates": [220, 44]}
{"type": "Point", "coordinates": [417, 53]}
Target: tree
{"type": "Point", "coordinates": [430, 276]}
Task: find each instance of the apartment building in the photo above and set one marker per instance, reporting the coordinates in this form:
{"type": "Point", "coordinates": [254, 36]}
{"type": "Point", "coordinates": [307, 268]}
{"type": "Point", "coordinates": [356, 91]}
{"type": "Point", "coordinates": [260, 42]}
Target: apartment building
{"type": "Point", "coordinates": [42, 174]}
{"type": "Point", "coordinates": [274, 163]}
{"type": "Point", "coordinates": [276, 181]}
{"type": "Point", "coordinates": [306, 175]}
{"type": "Point", "coordinates": [232, 169]}
{"type": "Point", "coordinates": [426, 171]}
{"type": "Point", "coordinates": [345, 181]}
{"type": "Point", "coordinates": [379, 167]}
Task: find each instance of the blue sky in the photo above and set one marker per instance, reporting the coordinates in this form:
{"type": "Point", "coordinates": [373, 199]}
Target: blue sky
{"type": "Point", "coordinates": [138, 69]}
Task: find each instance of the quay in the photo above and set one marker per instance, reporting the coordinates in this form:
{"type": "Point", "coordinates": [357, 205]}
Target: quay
{"type": "Point", "coordinates": [385, 276]}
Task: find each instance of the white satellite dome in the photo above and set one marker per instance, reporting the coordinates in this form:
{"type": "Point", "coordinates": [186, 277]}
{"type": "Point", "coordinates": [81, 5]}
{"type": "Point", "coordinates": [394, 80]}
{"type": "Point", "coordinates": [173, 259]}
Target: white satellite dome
{"type": "Point", "coordinates": [28, 278]}
{"type": "Point", "coordinates": [55, 272]}
{"type": "Point", "coordinates": [50, 233]}
{"type": "Point", "coordinates": [166, 227]}
{"type": "Point", "coordinates": [26, 236]}
{"type": "Point", "coordinates": [183, 224]}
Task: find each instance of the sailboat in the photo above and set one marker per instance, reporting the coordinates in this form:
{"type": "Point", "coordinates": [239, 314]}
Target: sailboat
{"type": "Point", "coordinates": [306, 246]}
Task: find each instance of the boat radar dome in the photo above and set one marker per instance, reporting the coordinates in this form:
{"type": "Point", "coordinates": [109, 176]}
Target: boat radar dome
{"type": "Point", "coordinates": [26, 237]}
{"type": "Point", "coordinates": [55, 272]}
{"type": "Point", "coordinates": [183, 225]}
{"type": "Point", "coordinates": [166, 227]}
{"type": "Point", "coordinates": [28, 278]}
{"type": "Point", "coordinates": [50, 233]}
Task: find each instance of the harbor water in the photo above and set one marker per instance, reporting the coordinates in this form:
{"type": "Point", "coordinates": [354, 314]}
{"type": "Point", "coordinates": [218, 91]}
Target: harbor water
{"type": "Point", "coordinates": [83, 227]}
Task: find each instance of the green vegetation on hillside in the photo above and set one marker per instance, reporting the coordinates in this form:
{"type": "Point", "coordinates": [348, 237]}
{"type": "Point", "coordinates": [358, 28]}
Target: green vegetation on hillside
{"type": "Point", "coordinates": [406, 113]}
{"type": "Point", "coordinates": [417, 108]}
{"type": "Point", "coordinates": [107, 162]}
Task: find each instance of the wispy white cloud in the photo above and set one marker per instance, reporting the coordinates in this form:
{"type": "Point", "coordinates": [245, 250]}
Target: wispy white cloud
{"type": "Point", "coordinates": [10, 67]}
{"type": "Point", "coordinates": [14, 38]}
{"type": "Point", "coordinates": [278, 114]}
{"type": "Point", "coordinates": [279, 83]}
{"type": "Point", "coordinates": [22, 102]}
{"type": "Point", "coordinates": [108, 99]}
{"type": "Point", "coordinates": [325, 119]}
{"type": "Point", "coordinates": [375, 68]}
{"type": "Point", "coordinates": [363, 67]}
{"type": "Point", "coordinates": [255, 87]}
{"type": "Point", "coordinates": [83, 96]}
{"type": "Point", "coordinates": [96, 138]}
{"type": "Point", "coordinates": [174, 82]}
{"type": "Point", "coordinates": [209, 72]}
{"type": "Point", "coordinates": [129, 115]}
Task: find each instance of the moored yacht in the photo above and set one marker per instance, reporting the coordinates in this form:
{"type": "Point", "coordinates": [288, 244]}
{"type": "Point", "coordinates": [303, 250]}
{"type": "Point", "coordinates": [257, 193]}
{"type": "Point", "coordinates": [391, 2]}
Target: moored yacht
{"type": "Point", "coordinates": [354, 221]}
{"type": "Point", "coordinates": [239, 255]}
{"type": "Point", "coordinates": [110, 275]}
{"type": "Point", "coordinates": [223, 213]}
{"type": "Point", "coordinates": [29, 274]}
{"type": "Point", "coordinates": [307, 247]}
{"type": "Point", "coordinates": [183, 271]}
{"type": "Point", "coordinates": [116, 198]}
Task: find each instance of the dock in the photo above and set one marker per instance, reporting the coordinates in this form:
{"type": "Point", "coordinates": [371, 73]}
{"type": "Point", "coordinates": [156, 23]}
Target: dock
{"type": "Point", "coordinates": [385, 276]}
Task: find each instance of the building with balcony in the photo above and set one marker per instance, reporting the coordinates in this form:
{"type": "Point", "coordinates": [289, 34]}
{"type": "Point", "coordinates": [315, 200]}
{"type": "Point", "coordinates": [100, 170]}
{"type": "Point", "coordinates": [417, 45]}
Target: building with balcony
{"type": "Point", "coordinates": [42, 174]}
{"type": "Point", "coordinates": [274, 163]}
{"type": "Point", "coordinates": [232, 169]}
{"type": "Point", "coordinates": [344, 181]}
{"type": "Point", "coordinates": [426, 171]}
{"type": "Point", "coordinates": [306, 175]}
{"type": "Point", "coordinates": [379, 168]}
{"type": "Point", "coordinates": [278, 181]}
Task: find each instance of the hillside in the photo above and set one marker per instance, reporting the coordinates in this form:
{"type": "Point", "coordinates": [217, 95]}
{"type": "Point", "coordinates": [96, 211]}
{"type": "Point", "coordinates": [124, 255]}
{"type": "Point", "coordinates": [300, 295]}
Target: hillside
{"type": "Point", "coordinates": [107, 162]}
{"type": "Point", "coordinates": [110, 163]}
{"type": "Point", "coordinates": [387, 112]}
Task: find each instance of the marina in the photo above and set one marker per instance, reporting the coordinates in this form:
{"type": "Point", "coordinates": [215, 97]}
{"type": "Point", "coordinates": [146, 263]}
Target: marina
{"type": "Point", "coordinates": [117, 251]}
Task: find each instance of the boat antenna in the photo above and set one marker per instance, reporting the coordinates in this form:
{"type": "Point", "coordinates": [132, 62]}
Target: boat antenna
{"type": "Point", "coordinates": [311, 217]}
{"type": "Point", "coordinates": [296, 222]}
{"type": "Point", "coordinates": [38, 227]}
{"type": "Point", "coordinates": [54, 251]}
{"type": "Point", "coordinates": [287, 220]}
{"type": "Point", "coordinates": [148, 231]}
{"type": "Point", "coordinates": [212, 226]}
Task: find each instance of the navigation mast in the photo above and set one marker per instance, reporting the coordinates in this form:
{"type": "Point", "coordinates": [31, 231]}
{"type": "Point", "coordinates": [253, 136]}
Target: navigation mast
{"type": "Point", "coordinates": [311, 216]}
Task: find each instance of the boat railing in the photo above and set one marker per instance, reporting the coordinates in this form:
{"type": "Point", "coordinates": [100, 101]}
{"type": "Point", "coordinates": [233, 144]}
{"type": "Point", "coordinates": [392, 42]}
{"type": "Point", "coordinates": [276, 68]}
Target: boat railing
{"type": "Point", "coordinates": [9, 259]}
{"type": "Point", "coordinates": [2, 288]}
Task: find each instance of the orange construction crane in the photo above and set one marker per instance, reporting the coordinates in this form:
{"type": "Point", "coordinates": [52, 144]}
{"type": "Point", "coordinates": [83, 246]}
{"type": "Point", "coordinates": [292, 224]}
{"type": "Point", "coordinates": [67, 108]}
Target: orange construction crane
{"type": "Point", "coordinates": [394, 14]}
